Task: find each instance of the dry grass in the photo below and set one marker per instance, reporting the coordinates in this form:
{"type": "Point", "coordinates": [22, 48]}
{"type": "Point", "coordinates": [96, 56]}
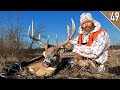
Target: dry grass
{"type": "Point", "coordinates": [76, 72]}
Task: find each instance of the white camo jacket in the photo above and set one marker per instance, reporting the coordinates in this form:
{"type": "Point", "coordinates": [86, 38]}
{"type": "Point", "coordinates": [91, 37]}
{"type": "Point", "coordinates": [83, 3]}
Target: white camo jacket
{"type": "Point", "coordinates": [98, 50]}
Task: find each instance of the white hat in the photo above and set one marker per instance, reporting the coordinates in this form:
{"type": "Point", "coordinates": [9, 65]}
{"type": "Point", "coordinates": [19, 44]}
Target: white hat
{"type": "Point", "coordinates": [86, 17]}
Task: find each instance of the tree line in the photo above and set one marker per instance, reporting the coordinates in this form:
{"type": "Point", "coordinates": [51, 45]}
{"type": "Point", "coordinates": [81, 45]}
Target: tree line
{"type": "Point", "coordinates": [12, 36]}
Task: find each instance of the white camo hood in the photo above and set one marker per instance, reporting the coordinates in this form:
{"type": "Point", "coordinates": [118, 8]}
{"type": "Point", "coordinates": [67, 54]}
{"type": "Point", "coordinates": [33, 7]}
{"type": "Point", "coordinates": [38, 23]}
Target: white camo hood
{"type": "Point", "coordinates": [88, 17]}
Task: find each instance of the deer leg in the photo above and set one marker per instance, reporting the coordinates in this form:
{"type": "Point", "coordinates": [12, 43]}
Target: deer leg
{"type": "Point", "coordinates": [70, 54]}
{"type": "Point", "coordinates": [77, 60]}
{"type": "Point", "coordinates": [67, 55]}
{"type": "Point", "coordinates": [73, 56]}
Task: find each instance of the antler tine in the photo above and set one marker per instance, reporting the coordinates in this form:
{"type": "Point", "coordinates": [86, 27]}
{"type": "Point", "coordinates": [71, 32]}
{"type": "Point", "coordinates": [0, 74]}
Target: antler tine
{"type": "Point", "coordinates": [29, 31]}
{"type": "Point", "coordinates": [48, 40]}
{"type": "Point", "coordinates": [68, 30]}
{"type": "Point", "coordinates": [32, 36]}
{"type": "Point", "coordinates": [32, 29]}
{"type": "Point", "coordinates": [46, 45]}
{"type": "Point", "coordinates": [73, 28]}
{"type": "Point", "coordinates": [56, 41]}
{"type": "Point", "coordinates": [39, 40]}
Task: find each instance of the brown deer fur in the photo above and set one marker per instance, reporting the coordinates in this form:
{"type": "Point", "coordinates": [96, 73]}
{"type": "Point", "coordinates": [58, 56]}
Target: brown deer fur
{"type": "Point", "coordinates": [39, 70]}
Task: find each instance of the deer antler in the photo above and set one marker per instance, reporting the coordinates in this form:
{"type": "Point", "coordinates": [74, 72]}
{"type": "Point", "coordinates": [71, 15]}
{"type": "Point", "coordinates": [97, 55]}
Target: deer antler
{"type": "Point", "coordinates": [57, 41]}
{"type": "Point", "coordinates": [68, 30]}
{"type": "Point", "coordinates": [38, 39]}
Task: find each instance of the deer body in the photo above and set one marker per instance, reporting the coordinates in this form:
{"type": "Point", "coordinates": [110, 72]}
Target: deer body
{"type": "Point", "coordinates": [53, 55]}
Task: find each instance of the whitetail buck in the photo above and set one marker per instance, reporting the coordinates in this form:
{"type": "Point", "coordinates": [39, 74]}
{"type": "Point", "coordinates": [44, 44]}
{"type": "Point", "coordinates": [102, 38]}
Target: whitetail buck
{"type": "Point", "coordinates": [53, 55]}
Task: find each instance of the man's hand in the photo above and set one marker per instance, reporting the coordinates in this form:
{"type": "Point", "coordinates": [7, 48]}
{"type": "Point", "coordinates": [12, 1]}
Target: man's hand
{"type": "Point", "coordinates": [69, 46]}
{"type": "Point", "coordinates": [77, 56]}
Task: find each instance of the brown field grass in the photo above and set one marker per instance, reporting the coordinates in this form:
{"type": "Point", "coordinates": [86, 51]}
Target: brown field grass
{"type": "Point", "coordinates": [112, 69]}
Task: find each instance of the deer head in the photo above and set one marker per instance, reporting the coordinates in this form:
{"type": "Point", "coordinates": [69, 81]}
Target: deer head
{"type": "Point", "coordinates": [52, 54]}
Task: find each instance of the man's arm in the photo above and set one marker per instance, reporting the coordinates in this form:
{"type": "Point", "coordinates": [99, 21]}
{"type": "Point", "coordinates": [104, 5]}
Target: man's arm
{"type": "Point", "coordinates": [96, 49]}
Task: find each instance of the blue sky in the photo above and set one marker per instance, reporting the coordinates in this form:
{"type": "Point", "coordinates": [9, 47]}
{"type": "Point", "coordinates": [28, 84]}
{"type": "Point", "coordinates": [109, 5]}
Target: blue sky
{"type": "Point", "coordinates": [56, 22]}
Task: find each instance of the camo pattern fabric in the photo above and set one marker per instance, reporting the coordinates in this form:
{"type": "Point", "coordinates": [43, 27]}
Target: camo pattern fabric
{"type": "Point", "coordinates": [98, 49]}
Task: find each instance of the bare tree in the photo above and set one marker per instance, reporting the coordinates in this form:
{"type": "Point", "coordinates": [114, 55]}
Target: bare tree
{"type": "Point", "coordinates": [12, 27]}
{"type": "Point", "coordinates": [12, 35]}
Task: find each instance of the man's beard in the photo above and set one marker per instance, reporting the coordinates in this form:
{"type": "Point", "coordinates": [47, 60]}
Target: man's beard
{"type": "Point", "coordinates": [87, 31]}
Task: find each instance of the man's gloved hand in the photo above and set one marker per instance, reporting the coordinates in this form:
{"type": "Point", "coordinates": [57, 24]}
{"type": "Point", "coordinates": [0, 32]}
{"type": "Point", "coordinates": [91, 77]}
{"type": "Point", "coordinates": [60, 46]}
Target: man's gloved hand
{"type": "Point", "coordinates": [77, 56]}
{"type": "Point", "coordinates": [69, 46]}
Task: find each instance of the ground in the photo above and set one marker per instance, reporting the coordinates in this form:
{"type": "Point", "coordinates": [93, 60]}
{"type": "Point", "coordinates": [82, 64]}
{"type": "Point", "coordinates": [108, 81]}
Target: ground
{"type": "Point", "coordinates": [76, 72]}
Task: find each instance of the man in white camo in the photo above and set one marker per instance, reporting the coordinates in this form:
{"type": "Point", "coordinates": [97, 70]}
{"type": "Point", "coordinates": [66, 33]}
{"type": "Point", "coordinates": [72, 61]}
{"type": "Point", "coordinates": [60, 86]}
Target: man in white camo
{"type": "Point", "coordinates": [92, 42]}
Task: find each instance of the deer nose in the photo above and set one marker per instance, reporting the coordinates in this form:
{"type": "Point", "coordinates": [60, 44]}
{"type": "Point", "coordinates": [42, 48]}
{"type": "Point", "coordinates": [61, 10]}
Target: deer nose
{"type": "Point", "coordinates": [46, 64]}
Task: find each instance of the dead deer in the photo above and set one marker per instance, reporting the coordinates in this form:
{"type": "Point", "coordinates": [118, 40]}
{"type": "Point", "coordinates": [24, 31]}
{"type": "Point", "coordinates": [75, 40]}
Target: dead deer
{"type": "Point", "coordinates": [52, 55]}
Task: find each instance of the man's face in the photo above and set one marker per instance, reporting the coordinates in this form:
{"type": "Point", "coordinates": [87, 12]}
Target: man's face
{"type": "Point", "coordinates": [87, 26]}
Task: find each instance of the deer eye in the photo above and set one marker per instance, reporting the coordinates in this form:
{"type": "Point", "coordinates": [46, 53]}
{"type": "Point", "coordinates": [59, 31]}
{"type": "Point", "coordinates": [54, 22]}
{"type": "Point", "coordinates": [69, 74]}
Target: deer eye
{"type": "Point", "coordinates": [55, 56]}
